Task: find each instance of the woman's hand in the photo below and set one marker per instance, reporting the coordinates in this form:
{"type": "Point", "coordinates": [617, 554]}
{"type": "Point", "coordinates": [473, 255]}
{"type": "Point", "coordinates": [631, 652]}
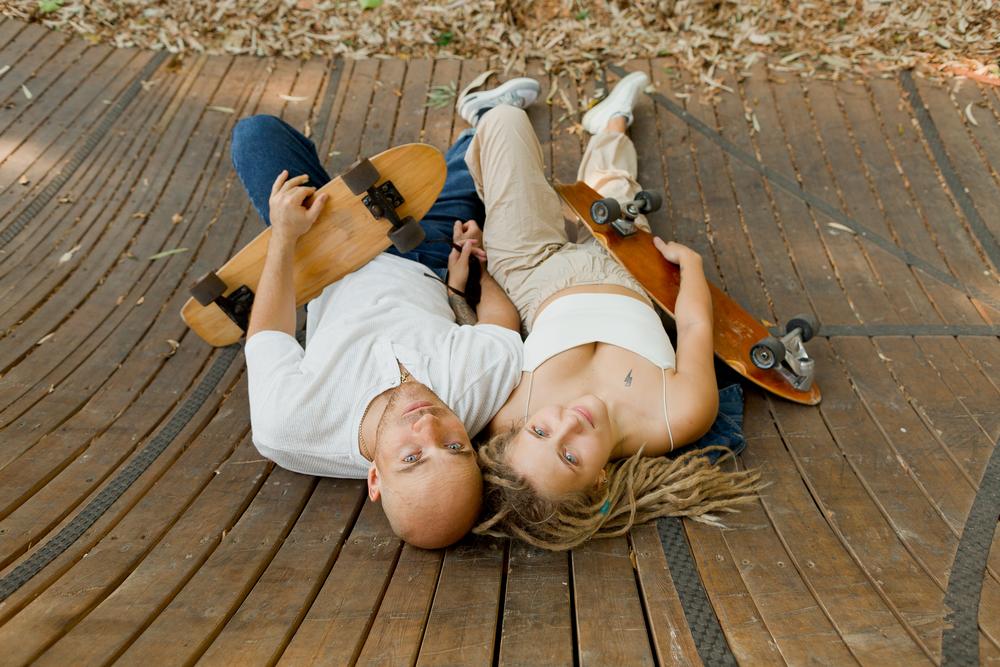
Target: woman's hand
{"type": "Point", "coordinates": [676, 253]}
{"type": "Point", "coordinates": [290, 217]}
{"type": "Point", "coordinates": [458, 265]}
{"type": "Point", "coordinates": [469, 230]}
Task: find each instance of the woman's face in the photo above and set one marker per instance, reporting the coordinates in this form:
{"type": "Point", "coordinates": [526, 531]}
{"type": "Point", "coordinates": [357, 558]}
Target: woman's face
{"type": "Point", "coordinates": [563, 448]}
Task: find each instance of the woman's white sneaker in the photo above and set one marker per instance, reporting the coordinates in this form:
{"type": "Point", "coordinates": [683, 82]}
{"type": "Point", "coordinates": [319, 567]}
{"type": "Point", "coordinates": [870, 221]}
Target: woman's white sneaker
{"type": "Point", "coordinates": [619, 102]}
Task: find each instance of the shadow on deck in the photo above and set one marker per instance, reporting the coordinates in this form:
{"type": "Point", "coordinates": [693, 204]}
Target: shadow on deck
{"type": "Point", "coordinates": [137, 521]}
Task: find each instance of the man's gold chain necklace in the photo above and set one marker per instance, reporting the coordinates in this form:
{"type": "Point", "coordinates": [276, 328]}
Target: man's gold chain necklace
{"type": "Point", "coordinates": [404, 376]}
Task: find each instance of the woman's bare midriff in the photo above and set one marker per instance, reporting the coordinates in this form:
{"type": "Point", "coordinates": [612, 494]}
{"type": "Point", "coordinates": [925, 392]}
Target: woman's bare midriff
{"type": "Point", "coordinates": [589, 289]}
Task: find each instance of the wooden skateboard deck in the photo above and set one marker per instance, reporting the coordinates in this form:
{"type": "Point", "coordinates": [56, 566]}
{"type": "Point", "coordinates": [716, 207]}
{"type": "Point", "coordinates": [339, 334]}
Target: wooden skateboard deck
{"type": "Point", "coordinates": [344, 238]}
{"type": "Point", "coordinates": [735, 331]}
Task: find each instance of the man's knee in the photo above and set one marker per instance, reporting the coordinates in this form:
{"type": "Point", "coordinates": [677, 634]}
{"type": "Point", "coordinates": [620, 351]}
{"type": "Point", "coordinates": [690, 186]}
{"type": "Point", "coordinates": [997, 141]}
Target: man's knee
{"type": "Point", "coordinates": [502, 115]}
{"type": "Point", "coordinates": [251, 129]}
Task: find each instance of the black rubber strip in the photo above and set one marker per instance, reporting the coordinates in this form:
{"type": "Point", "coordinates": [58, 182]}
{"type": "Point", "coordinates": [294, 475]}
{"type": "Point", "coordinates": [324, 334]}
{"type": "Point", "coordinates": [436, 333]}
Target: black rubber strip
{"type": "Point", "coordinates": [112, 491]}
{"type": "Point", "coordinates": [960, 642]}
{"type": "Point", "coordinates": [875, 330]}
{"type": "Point", "coordinates": [979, 228]}
{"type": "Point", "coordinates": [701, 618]}
{"type": "Point", "coordinates": [793, 188]}
{"type": "Point", "coordinates": [50, 190]}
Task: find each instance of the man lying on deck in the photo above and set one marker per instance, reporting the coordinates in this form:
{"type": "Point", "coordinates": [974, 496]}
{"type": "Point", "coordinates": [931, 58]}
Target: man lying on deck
{"type": "Point", "coordinates": [389, 387]}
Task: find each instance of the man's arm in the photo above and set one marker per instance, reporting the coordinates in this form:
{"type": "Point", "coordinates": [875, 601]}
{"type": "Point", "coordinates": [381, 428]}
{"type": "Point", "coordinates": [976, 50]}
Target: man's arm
{"type": "Point", "coordinates": [274, 302]}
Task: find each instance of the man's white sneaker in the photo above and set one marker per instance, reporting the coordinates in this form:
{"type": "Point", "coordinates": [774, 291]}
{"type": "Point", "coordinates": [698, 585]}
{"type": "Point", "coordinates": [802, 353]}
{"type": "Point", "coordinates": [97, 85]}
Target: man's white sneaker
{"type": "Point", "coordinates": [520, 93]}
{"type": "Point", "coordinates": [619, 102]}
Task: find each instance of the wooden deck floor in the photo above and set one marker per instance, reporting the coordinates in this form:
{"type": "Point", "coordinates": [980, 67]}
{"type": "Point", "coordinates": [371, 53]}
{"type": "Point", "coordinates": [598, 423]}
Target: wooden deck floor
{"type": "Point", "coordinates": [138, 523]}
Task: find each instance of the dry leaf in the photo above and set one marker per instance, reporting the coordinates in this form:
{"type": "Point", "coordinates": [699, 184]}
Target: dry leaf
{"type": "Point", "coordinates": [69, 254]}
{"type": "Point", "coordinates": [45, 338]}
{"type": "Point", "coordinates": [176, 218]}
{"type": "Point", "coordinates": [4, 69]}
{"type": "Point", "coordinates": [292, 98]}
{"type": "Point", "coordinates": [221, 109]}
{"type": "Point", "coordinates": [968, 114]}
{"type": "Point", "coordinates": [24, 180]}
{"type": "Point", "coordinates": [27, 93]}
{"type": "Point", "coordinates": [146, 85]}
{"type": "Point", "coordinates": [66, 199]}
{"type": "Point", "coordinates": [140, 301]}
{"type": "Point", "coordinates": [120, 300]}
{"type": "Point", "coordinates": [140, 215]}
{"type": "Point", "coordinates": [173, 347]}
{"type": "Point", "coordinates": [167, 253]}
{"type": "Point", "coordinates": [840, 227]}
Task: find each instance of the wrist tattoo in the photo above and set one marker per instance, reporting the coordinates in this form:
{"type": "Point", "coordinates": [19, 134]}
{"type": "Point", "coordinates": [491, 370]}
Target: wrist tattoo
{"type": "Point", "coordinates": [463, 312]}
{"type": "Point", "coordinates": [628, 378]}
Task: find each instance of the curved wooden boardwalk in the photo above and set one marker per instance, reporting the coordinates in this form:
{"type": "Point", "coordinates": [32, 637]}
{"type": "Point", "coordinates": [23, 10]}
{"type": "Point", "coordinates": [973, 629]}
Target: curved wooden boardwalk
{"type": "Point", "coordinates": [879, 218]}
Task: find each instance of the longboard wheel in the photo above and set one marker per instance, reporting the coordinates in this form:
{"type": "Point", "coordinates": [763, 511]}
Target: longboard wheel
{"type": "Point", "coordinates": [209, 288]}
{"type": "Point", "coordinates": [408, 235]}
{"type": "Point", "coordinates": [806, 323]}
{"type": "Point", "coordinates": [361, 176]}
{"type": "Point", "coordinates": [651, 201]}
{"type": "Point", "coordinates": [767, 353]}
{"type": "Point", "coordinates": [606, 210]}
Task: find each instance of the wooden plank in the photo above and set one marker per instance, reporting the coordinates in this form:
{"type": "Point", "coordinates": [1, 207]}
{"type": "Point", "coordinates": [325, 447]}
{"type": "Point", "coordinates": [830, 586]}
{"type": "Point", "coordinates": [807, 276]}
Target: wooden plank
{"type": "Point", "coordinates": [85, 377]}
{"type": "Point", "coordinates": [914, 295]}
{"type": "Point", "coordinates": [802, 241]}
{"type": "Point", "coordinates": [29, 51]}
{"type": "Point", "coordinates": [686, 216]}
{"type": "Point", "coordinates": [669, 631]}
{"type": "Point", "coordinates": [385, 102]}
{"type": "Point", "coordinates": [741, 622]}
{"type": "Point", "coordinates": [264, 624]}
{"type": "Point", "coordinates": [970, 165]}
{"type": "Point", "coordinates": [186, 627]}
{"type": "Point", "coordinates": [203, 468]}
{"type": "Point", "coordinates": [537, 624]}
{"type": "Point", "coordinates": [462, 626]}
{"type": "Point", "coordinates": [438, 122]}
{"type": "Point", "coordinates": [350, 126]}
{"type": "Point", "coordinates": [336, 625]}
{"type": "Point", "coordinates": [412, 104]}
{"type": "Point", "coordinates": [867, 625]}
{"type": "Point", "coordinates": [395, 634]}
{"type": "Point", "coordinates": [610, 626]}
{"type": "Point", "coordinates": [937, 213]}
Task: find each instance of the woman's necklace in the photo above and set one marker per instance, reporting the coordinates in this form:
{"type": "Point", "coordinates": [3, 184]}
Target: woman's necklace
{"type": "Point", "coordinates": [404, 376]}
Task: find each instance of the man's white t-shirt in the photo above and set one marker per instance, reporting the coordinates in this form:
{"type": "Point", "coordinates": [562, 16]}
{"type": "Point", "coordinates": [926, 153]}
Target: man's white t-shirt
{"type": "Point", "coordinates": [306, 405]}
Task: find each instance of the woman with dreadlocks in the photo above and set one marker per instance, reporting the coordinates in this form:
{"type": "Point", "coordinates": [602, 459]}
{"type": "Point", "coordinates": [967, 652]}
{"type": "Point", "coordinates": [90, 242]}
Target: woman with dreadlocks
{"type": "Point", "coordinates": [577, 450]}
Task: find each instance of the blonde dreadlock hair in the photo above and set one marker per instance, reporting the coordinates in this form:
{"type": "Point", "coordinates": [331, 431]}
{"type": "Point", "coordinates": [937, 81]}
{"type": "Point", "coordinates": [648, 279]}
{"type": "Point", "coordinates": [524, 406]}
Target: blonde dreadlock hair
{"type": "Point", "coordinates": [639, 489]}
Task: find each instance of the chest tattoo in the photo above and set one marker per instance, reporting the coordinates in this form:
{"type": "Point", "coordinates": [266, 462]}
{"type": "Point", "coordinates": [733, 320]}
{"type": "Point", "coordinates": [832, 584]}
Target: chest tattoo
{"type": "Point", "coordinates": [628, 378]}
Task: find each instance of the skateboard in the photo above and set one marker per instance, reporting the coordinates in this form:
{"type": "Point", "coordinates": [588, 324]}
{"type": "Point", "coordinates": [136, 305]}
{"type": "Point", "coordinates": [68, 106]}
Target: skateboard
{"type": "Point", "coordinates": [377, 202]}
{"type": "Point", "coordinates": [780, 365]}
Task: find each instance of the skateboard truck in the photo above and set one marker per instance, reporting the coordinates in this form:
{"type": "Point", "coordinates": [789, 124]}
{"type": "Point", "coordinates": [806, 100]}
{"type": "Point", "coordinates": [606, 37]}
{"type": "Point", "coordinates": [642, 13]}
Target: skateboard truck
{"type": "Point", "coordinates": [210, 288]}
{"type": "Point", "coordinates": [787, 354]}
{"type": "Point", "coordinates": [382, 202]}
{"type": "Point", "coordinates": [622, 215]}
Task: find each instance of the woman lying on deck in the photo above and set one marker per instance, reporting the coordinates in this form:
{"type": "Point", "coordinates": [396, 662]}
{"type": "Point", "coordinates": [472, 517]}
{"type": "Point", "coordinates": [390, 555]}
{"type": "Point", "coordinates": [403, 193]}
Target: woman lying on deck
{"type": "Point", "coordinates": [601, 382]}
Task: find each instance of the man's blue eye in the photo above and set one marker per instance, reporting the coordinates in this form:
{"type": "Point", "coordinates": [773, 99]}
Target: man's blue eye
{"type": "Point", "coordinates": [454, 446]}
{"type": "Point", "coordinates": [571, 458]}
{"type": "Point", "coordinates": [540, 432]}
{"type": "Point", "coordinates": [410, 458]}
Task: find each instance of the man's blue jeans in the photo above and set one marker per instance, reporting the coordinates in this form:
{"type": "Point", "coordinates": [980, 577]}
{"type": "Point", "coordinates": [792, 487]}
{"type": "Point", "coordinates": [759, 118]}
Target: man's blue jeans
{"type": "Point", "coordinates": [263, 146]}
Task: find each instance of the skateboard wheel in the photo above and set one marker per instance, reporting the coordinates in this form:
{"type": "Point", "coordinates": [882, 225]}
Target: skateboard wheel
{"type": "Point", "coordinates": [806, 323]}
{"type": "Point", "coordinates": [650, 201]}
{"type": "Point", "coordinates": [361, 176]}
{"type": "Point", "coordinates": [604, 211]}
{"type": "Point", "coordinates": [209, 288]}
{"type": "Point", "coordinates": [767, 353]}
{"type": "Point", "coordinates": [407, 236]}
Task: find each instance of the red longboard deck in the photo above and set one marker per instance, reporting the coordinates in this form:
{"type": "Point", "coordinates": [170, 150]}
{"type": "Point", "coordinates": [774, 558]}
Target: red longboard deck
{"type": "Point", "coordinates": [735, 331]}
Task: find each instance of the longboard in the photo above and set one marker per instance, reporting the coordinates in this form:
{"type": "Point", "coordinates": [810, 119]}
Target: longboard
{"type": "Point", "coordinates": [377, 202]}
{"type": "Point", "coordinates": [735, 332]}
